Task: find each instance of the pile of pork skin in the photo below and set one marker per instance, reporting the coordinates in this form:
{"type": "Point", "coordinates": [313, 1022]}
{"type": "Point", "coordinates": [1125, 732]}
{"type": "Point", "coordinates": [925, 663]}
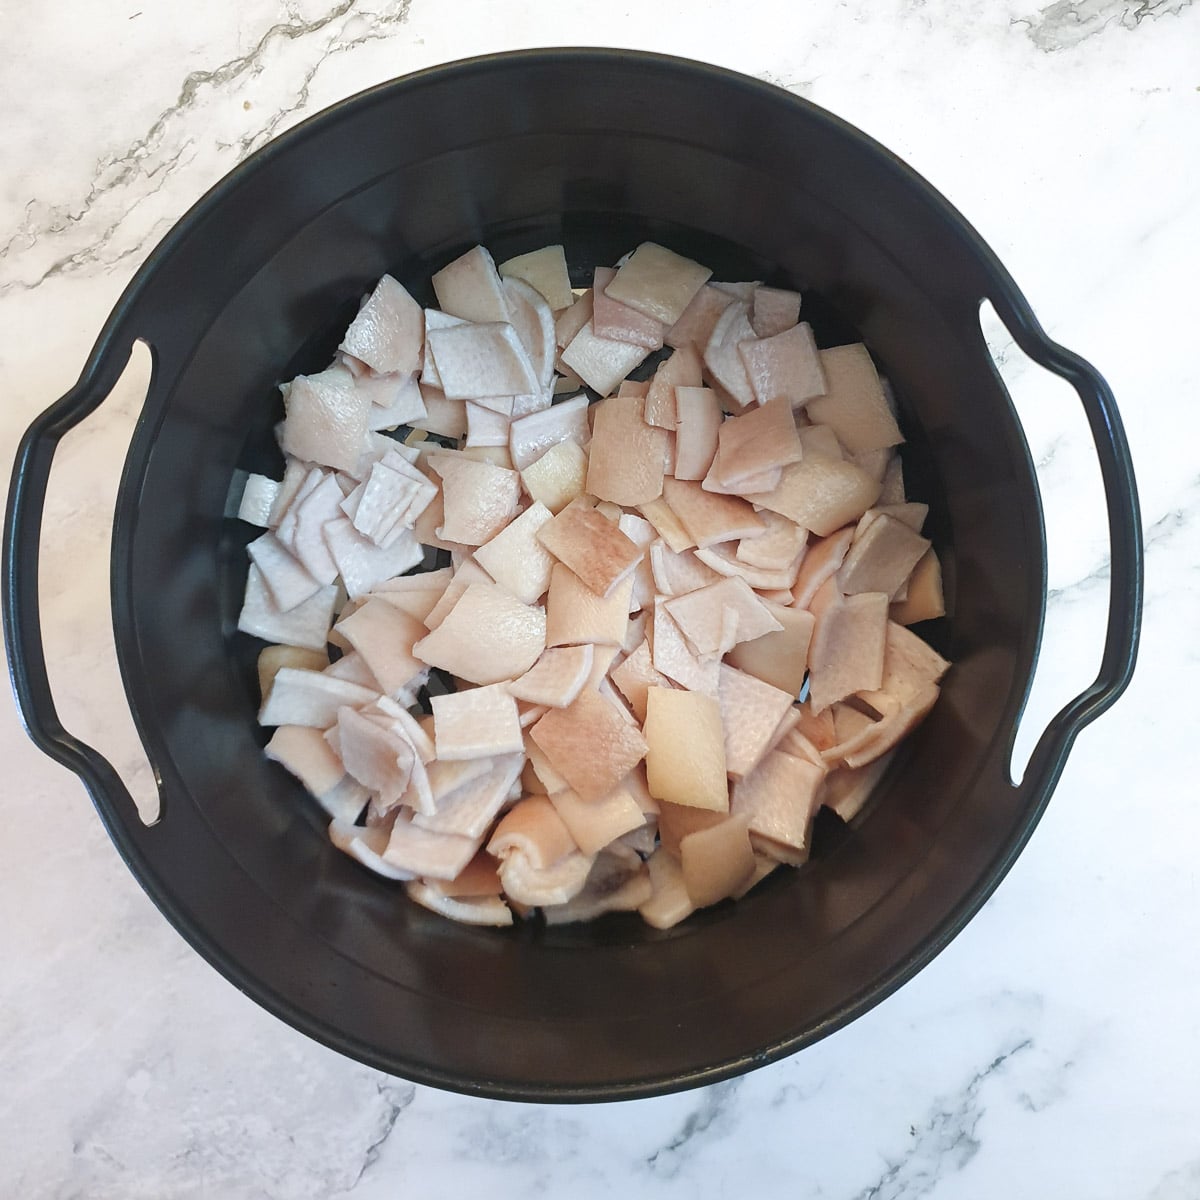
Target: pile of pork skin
{"type": "Point", "coordinates": [644, 577]}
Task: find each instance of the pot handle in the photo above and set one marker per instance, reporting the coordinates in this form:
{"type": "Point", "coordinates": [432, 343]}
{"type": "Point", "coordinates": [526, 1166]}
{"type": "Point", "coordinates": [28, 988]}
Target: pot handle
{"type": "Point", "coordinates": [1124, 531]}
{"type": "Point", "coordinates": [21, 554]}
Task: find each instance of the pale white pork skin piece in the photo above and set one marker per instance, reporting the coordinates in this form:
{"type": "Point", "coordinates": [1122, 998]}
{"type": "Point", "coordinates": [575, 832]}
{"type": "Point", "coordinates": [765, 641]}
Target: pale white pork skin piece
{"type": "Point", "coordinates": [670, 617]}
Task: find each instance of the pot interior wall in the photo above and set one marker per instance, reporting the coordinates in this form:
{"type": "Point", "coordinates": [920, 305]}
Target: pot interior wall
{"type": "Point", "coordinates": [756, 187]}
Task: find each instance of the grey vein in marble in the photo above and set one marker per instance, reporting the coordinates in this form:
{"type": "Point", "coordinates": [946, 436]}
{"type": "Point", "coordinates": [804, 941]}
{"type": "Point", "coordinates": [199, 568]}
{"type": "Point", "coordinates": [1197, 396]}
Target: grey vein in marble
{"type": "Point", "coordinates": [945, 1140]}
{"type": "Point", "coordinates": [1154, 538]}
{"type": "Point", "coordinates": [798, 87]}
{"type": "Point", "coordinates": [318, 1139]}
{"type": "Point", "coordinates": [1065, 23]}
{"type": "Point", "coordinates": [1166, 527]}
{"type": "Point", "coordinates": [713, 1117]}
{"type": "Point", "coordinates": [508, 1134]}
{"type": "Point", "coordinates": [378, 30]}
{"type": "Point", "coordinates": [91, 253]}
{"type": "Point", "coordinates": [1099, 574]}
{"type": "Point", "coordinates": [1180, 1184]}
{"type": "Point", "coordinates": [795, 1093]}
{"type": "Point", "coordinates": [145, 160]}
{"type": "Point", "coordinates": [396, 1096]}
{"type": "Point", "coordinates": [1047, 456]}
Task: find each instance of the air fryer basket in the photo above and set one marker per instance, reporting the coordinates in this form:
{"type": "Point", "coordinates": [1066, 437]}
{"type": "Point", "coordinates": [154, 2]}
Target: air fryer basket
{"type": "Point", "coordinates": [597, 149]}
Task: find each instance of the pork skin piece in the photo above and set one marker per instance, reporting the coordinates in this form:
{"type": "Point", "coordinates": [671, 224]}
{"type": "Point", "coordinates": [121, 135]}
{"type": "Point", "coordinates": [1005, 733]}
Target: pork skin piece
{"type": "Point", "coordinates": [488, 636]}
{"type": "Point", "coordinates": [591, 546]}
{"type": "Point", "coordinates": [658, 282]}
{"type": "Point", "coordinates": [589, 744]}
{"type": "Point", "coordinates": [478, 722]}
{"type": "Point", "coordinates": [470, 288]}
{"type": "Point", "coordinates": [388, 331]}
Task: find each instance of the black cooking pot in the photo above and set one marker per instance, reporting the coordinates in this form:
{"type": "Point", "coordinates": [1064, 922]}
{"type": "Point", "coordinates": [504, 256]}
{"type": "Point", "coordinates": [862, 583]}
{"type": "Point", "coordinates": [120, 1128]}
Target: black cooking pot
{"type": "Point", "coordinates": [598, 150]}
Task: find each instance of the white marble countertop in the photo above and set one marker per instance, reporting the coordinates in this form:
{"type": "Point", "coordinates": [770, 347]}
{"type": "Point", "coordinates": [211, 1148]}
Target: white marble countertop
{"type": "Point", "coordinates": [1053, 1049]}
